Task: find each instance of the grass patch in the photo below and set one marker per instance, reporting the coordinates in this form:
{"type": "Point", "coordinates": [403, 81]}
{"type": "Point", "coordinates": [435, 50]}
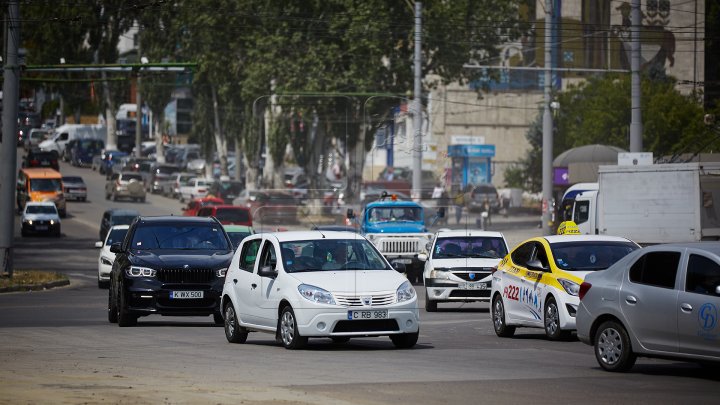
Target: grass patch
{"type": "Point", "coordinates": [30, 278]}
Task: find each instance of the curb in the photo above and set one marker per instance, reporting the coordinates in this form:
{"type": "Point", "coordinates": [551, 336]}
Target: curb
{"type": "Point", "coordinates": [36, 287]}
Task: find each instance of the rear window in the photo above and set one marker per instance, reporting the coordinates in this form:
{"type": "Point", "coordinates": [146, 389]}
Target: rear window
{"type": "Point", "coordinates": [72, 179]}
{"type": "Point", "coordinates": [232, 215]}
{"type": "Point", "coordinates": [180, 236]}
{"type": "Point", "coordinates": [485, 190]}
{"type": "Point", "coordinates": [128, 177]}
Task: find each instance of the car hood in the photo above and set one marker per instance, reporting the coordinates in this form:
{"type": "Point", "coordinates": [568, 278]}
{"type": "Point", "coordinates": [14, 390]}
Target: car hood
{"type": "Point", "coordinates": [352, 281]}
{"type": "Point", "coordinates": [397, 227]}
{"type": "Point", "coordinates": [453, 264]}
{"type": "Point", "coordinates": [41, 217]}
{"type": "Point", "coordinates": [178, 259]}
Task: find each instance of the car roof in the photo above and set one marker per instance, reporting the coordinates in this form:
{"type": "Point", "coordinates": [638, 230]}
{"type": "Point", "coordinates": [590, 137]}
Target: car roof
{"type": "Point", "coordinates": [41, 173]}
{"type": "Point", "coordinates": [344, 228]}
{"type": "Point", "coordinates": [40, 203]}
{"type": "Point", "coordinates": [468, 232]}
{"type": "Point", "coordinates": [712, 247]}
{"type": "Point", "coordinates": [584, 238]}
{"type": "Point", "coordinates": [176, 219]}
{"type": "Point", "coordinates": [313, 235]}
{"type": "Point", "coordinates": [394, 204]}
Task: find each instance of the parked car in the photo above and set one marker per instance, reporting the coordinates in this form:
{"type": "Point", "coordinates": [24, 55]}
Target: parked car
{"type": "Point", "coordinates": [537, 284]}
{"type": "Point", "coordinates": [659, 301]}
{"type": "Point", "coordinates": [84, 150]}
{"type": "Point", "coordinates": [40, 218]}
{"type": "Point", "coordinates": [245, 198]}
{"type": "Point", "coordinates": [482, 192]}
{"type": "Point", "coordinates": [273, 207]}
{"type": "Point", "coordinates": [227, 214]}
{"type": "Point", "coordinates": [317, 284]}
{"type": "Point", "coordinates": [172, 188]}
{"type": "Point", "coordinates": [169, 265]}
{"type": "Point", "coordinates": [37, 158]}
{"type": "Point", "coordinates": [36, 136]}
{"type": "Point", "coordinates": [192, 208]}
{"type": "Point", "coordinates": [228, 190]}
{"type": "Point", "coordinates": [116, 216]}
{"type": "Point", "coordinates": [195, 188]}
{"type": "Point", "coordinates": [125, 185]}
{"type": "Point", "coordinates": [160, 176]}
{"type": "Point", "coordinates": [106, 257]}
{"type": "Point", "coordinates": [238, 232]}
{"type": "Point", "coordinates": [459, 266]}
{"type": "Point", "coordinates": [74, 188]}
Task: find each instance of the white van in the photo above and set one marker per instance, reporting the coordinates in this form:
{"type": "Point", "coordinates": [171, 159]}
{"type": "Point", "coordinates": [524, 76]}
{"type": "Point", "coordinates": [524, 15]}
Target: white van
{"type": "Point", "coordinates": [64, 133]}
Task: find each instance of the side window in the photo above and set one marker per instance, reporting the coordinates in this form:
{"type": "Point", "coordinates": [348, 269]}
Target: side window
{"type": "Point", "coordinates": [541, 255]}
{"type": "Point", "coordinates": [703, 275]}
{"type": "Point", "coordinates": [581, 214]}
{"type": "Point", "coordinates": [204, 212]}
{"type": "Point", "coordinates": [249, 255]}
{"type": "Point", "coordinates": [64, 136]}
{"type": "Point", "coordinates": [268, 257]}
{"type": "Point", "coordinates": [522, 254]}
{"type": "Point", "coordinates": [656, 268]}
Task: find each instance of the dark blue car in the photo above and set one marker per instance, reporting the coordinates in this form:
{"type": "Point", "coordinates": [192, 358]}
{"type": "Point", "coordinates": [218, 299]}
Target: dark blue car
{"type": "Point", "coordinates": [83, 151]}
{"type": "Point", "coordinates": [108, 159]}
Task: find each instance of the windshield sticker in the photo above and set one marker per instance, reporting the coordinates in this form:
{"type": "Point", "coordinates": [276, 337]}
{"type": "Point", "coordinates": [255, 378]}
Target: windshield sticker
{"type": "Point", "coordinates": [139, 244]}
{"type": "Point", "coordinates": [593, 258]}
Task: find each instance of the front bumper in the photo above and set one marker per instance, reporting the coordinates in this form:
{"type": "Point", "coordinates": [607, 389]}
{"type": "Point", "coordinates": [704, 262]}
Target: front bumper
{"type": "Point", "coordinates": [446, 290]}
{"type": "Point", "coordinates": [40, 227]}
{"type": "Point", "coordinates": [146, 296]}
{"type": "Point", "coordinates": [333, 321]}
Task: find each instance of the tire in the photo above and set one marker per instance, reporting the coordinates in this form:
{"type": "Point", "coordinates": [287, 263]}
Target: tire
{"type": "Point", "coordinates": [498, 317]}
{"type": "Point", "coordinates": [123, 316]}
{"type": "Point", "coordinates": [287, 327]}
{"type": "Point", "coordinates": [430, 305]}
{"type": "Point", "coordinates": [234, 333]}
{"type": "Point", "coordinates": [340, 339]}
{"type": "Point", "coordinates": [112, 306]}
{"type": "Point", "coordinates": [57, 233]}
{"type": "Point", "coordinates": [612, 347]}
{"type": "Point", "coordinates": [551, 321]}
{"type": "Point", "coordinates": [82, 199]}
{"type": "Point", "coordinates": [405, 340]}
{"type": "Point", "coordinates": [142, 199]}
{"type": "Point", "coordinates": [218, 319]}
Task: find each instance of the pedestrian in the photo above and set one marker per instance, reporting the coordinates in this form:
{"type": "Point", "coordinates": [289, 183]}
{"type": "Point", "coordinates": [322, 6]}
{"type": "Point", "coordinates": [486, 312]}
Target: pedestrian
{"type": "Point", "coordinates": [486, 208]}
{"type": "Point", "coordinates": [459, 202]}
{"type": "Point", "coordinates": [444, 204]}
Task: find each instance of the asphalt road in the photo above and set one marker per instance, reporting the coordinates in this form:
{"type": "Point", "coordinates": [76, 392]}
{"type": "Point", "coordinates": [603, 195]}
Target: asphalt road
{"type": "Point", "coordinates": [57, 347]}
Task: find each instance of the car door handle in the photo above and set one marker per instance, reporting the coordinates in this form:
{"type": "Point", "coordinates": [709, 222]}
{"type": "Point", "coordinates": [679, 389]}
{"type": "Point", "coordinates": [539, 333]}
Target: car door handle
{"type": "Point", "coordinates": [235, 280]}
{"type": "Point", "coordinates": [631, 300]}
{"type": "Point", "coordinates": [253, 285]}
{"type": "Point", "coordinates": [685, 307]}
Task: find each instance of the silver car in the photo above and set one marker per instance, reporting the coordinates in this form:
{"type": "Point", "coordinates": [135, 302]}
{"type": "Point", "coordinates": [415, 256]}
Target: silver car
{"type": "Point", "coordinates": [659, 301]}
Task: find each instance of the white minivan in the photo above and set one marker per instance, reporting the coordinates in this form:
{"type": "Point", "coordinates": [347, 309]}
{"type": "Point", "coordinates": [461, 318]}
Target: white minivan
{"type": "Point", "coordinates": [65, 133]}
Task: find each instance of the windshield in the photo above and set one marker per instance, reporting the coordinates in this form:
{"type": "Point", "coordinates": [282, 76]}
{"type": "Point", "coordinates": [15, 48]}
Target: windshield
{"type": "Point", "coordinates": [589, 256]}
{"type": "Point", "coordinates": [123, 219]}
{"type": "Point", "coordinates": [331, 254]}
{"type": "Point", "coordinates": [116, 235]}
{"type": "Point", "coordinates": [232, 215]}
{"type": "Point", "coordinates": [470, 246]}
{"type": "Point", "coordinates": [45, 185]}
{"type": "Point", "coordinates": [129, 177]}
{"type": "Point", "coordinates": [41, 209]}
{"type": "Point", "coordinates": [385, 214]}
{"type": "Point", "coordinates": [179, 236]}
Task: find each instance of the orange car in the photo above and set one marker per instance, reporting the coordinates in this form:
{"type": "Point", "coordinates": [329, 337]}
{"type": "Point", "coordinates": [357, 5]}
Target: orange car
{"type": "Point", "coordinates": [191, 210]}
{"type": "Point", "coordinates": [40, 184]}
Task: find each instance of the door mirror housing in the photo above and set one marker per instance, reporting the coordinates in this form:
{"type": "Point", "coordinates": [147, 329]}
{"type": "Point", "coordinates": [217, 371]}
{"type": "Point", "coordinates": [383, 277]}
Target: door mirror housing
{"type": "Point", "coordinates": [116, 247]}
{"type": "Point", "coordinates": [422, 257]}
{"type": "Point", "coordinates": [350, 213]}
{"type": "Point", "coordinates": [99, 244]}
{"type": "Point", "coordinates": [536, 265]}
{"type": "Point", "coordinates": [267, 271]}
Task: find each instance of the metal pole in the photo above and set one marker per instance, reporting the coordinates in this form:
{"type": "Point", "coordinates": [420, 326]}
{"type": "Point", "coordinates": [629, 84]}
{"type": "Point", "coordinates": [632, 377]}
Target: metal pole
{"type": "Point", "coordinates": [138, 113]}
{"type": "Point", "coordinates": [547, 143]}
{"type": "Point", "coordinates": [8, 140]}
{"type": "Point", "coordinates": [417, 118]}
{"type": "Point", "coordinates": [636, 128]}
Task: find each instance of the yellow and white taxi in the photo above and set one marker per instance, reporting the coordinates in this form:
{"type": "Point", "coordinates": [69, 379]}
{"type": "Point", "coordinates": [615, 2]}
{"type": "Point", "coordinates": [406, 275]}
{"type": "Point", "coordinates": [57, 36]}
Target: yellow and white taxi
{"type": "Point", "coordinates": [537, 284]}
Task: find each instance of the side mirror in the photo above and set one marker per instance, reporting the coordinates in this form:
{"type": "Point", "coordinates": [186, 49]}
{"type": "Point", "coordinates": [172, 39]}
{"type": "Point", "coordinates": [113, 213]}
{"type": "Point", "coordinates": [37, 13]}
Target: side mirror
{"type": "Point", "coordinates": [536, 265]}
{"type": "Point", "coordinates": [99, 244]}
{"type": "Point", "coordinates": [350, 213]}
{"type": "Point", "coordinates": [422, 257]}
{"type": "Point", "coordinates": [267, 271]}
{"type": "Point", "coordinates": [116, 247]}
{"type": "Point", "coordinates": [441, 212]}
{"type": "Point", "coordinates": [400, 267]}
{"type": "Point", "coordinates": [717, 290]}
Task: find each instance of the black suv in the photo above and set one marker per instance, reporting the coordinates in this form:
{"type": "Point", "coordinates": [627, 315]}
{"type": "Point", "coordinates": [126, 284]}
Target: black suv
{"type": "Point", "coordinates": [169, 266]}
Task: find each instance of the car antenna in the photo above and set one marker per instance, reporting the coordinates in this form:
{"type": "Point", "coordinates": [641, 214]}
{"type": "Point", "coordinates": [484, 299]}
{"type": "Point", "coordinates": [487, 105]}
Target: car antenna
{"type": "Point", "coordinates": [317, 229]}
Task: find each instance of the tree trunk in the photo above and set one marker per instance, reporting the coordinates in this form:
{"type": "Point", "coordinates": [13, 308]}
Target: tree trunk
{"type": "Point", "coordinates": [220, 141]}
{"type": "Point", "coordinates": [159, 133]}
{"type": "Point", "coordinates": [356, 164]}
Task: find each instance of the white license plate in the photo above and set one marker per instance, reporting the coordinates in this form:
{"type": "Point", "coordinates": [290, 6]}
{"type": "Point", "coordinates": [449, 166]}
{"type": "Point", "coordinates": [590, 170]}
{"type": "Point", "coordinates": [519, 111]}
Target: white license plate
{"type": "Point", "coordinates": [370, 314]}
{"type": "Point", "coordinates": [403, 261]}
{"type": "Point", "coordinates": [192, 295]}
{"type": "Point", "coordinates": [474, 286]}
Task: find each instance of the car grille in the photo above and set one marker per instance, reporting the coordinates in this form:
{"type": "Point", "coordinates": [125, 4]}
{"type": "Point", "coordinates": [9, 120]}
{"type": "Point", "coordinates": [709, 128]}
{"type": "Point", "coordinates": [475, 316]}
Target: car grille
{"type": "Point", "coordinates": [357, 300]}
{"type": "Point", "coordinates": [185, 275]}
{"type": "Point", "coordinates": [480, 273]}
{"type": "Point", "coordinates": [370, 325]}
{"type": "Point", "coordinates": [470, 294]}
{"type": "Point", "coordinates": [400, 246]}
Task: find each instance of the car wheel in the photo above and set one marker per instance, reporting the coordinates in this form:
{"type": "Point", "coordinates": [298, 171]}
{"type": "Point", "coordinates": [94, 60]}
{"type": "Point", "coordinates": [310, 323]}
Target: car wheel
{"type": "Point", "coordinates": [57, 232]}
{"type": "Point", "coordinates": [82, 199]}
{"type": "Point", "coordinates": [405, 340]}
{"type": "Point", "coordinates": [552, 322]}
{"type": "Point", "coordinates": [112, 305]}
{"type": "Point", "coordinates": [289, 334]}
{"type": "Point", "coordinates": [612, 347]}
{"type": "Point", "coordinates": [498, 317]}
{"type": "Point", "coordinates": [142, 199]}
{"type": "Point", "coordinates": [340, 339]}
{"type": "Point", "coordinates": [430, 305]}
{"type": "Point", "coordinates": [218, 318]}
{"type": "Point", "coordinates": [123, 316]}
{"type": "Point", "coordinates": [234, 333]}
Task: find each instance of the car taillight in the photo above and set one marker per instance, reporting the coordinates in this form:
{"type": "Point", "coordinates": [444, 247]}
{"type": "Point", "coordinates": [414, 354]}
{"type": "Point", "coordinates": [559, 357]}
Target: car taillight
{"type": "Point", "coordinates": [202, 190]}
{"type": "Point", "coordinates": [584, 288]}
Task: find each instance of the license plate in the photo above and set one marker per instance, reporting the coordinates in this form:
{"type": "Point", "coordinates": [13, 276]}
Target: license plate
{"type": "Point", "coordinates": [192, 295]}
{"type": "Point", "coordinates": [403, 261]}
{"type": "Point", "coordinates": [44, 162]}
{"type": "Point", "coordinates": [474, 286]}
{"type": "Point", "coordinates": [372, 314]}
{"type": "Point", "coordinates": [41, 227]}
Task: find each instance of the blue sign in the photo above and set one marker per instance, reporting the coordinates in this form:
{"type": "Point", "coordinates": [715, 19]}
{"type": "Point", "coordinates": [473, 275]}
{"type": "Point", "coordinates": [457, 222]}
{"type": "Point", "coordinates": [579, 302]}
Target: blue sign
{"type": "Point", "coordinates": [471, 150]}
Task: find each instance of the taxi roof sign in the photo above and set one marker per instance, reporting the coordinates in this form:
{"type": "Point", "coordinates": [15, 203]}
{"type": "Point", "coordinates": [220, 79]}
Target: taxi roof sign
{"type": "Point", "coordinates": [568, 228]}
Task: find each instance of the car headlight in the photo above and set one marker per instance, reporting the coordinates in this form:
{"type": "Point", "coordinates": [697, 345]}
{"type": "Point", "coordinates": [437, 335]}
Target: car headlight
{"type": "Point", "coordinates": [52, 222]}
{"type": "Point", "coordinates": [316, 294]}
{"type": "Point", "coordinates": [221, 272]}
{"type": "Point", "coordinates": [105, 261]}
{"type": "Point", "coordinates": [570, 287]}
{"type": "Point", "coordinates": [440, 273]}
{"type": "Point", "coordinates": [28, 221]}
{"type": "Point", "coordinates": [405, 292]}
{"type": "Point", "coordinates": [136, 271]}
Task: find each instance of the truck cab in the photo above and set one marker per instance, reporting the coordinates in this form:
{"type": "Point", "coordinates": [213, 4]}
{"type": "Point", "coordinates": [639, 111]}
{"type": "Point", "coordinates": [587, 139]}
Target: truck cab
{"type": "Point", "coordinates": [584, 212]}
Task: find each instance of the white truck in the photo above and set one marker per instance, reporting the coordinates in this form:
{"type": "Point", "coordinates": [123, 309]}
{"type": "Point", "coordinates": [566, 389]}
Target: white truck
{"type": "Point", "coordinates": [661, 203]}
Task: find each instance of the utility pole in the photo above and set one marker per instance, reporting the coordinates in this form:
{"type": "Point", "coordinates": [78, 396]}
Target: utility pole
{"type": "Point", "coordinates": [417, 118]}
{"type": "Point", "coordinates": [547, 142]}
{"type": "Point", "coordinates": [138, 99]}
{"type": "Point", "coordinates": [636, 128]}
{"type": "Point", "coordinates": [8, 142]}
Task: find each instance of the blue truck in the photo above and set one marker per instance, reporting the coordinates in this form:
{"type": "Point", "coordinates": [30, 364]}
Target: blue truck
{"type": "Point", "coordinates": [397, 229]}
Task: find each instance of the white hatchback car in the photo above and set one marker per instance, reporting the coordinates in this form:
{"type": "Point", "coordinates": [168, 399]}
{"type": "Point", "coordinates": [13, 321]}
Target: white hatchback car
{"type": "Point", "coordinates": [106, 258]}
{"type": "Point", "coordinates": [459, 266]}
{"type": "Point", "coordinates": [305, 284]}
